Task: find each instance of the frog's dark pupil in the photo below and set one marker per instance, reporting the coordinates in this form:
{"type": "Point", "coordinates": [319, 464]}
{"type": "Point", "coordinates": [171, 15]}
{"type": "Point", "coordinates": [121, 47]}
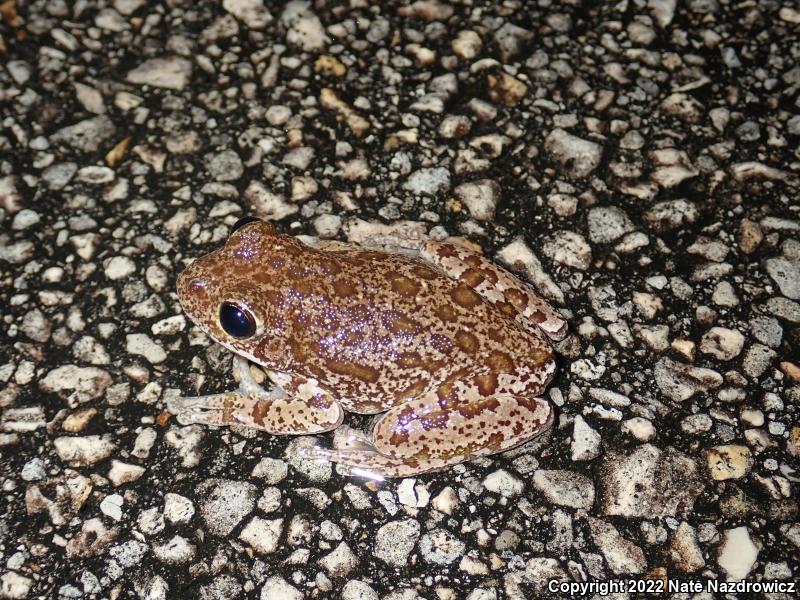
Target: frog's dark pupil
{"type": "Point", "coordinates": [243, 221]}
{"type": "Point", "coordinates": [236, 321]}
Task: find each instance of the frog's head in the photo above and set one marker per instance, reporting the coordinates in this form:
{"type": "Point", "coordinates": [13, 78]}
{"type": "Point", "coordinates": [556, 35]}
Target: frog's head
{"type": "Point", "coordinates": [231, 293]}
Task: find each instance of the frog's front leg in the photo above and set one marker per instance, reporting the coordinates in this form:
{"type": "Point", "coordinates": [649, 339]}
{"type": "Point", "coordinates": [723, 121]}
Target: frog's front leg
{"type": "Point", "coordinates": [439, 429]}
{"type": "Point", "coordinates": [296, 406]}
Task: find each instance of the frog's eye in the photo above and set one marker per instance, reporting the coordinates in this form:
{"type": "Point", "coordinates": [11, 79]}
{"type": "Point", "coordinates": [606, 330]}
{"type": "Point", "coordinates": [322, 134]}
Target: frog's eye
{"type": "Point", "coordinates": [242, 222]}
{"type": "Point", "coordinates": [236, 320]}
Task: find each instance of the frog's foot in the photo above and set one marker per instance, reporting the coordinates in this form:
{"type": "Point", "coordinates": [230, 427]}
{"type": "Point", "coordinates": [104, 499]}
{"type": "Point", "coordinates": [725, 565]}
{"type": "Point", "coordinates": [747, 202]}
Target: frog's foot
{"type": "Point", "coordinates": [352, 447]}
{"type": "Point", "coordinates": [214, 409]}
{"type": "Point", "coordinates": [371, 464]}
{"type": "Point", "coordinates": [307, 411]}
{"type": "Point", "coordinates": [354, 450]}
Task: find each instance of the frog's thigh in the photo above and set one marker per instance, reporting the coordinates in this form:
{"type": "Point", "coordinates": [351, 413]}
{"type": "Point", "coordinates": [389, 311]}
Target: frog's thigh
{"type": "Point", "coordinates": [496, 285]}
{"type": "Point", "coordinates": [305, 408]}
{"type": "Point", "coordinates": [474, 426]}
{"type": "Point", "coordinates": [394, 242]}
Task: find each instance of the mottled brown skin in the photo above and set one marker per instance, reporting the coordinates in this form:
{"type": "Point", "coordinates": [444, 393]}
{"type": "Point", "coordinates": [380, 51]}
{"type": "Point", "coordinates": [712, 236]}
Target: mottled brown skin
{"type": "Point", "coordinates": [450, 344]}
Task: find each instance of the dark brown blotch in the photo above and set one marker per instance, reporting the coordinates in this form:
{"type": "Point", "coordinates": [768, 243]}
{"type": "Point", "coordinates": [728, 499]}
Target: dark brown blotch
{"type": "Point", "coordinates": [446, 313]}
{"type": "Point", "coordinates": [344, 288]}
{"type": "Point", "coordinates": [446, 251]}
{"type": "Point", "coordinates": [473, 277]}
{"type": "Point", "coordinates": [474, 261]}
{"type": "Point", "coordinates": [486, 384]}
{"type": "Point", "coordinates": [329, 266]}
{"type": "Point", "coordinates": [465, 296]}
{"type": "Point", "coordinates": [473, 408]}
{"type": "Point", "coordinates": [541, 354]}
{"type": "Point", "coordinates": [490, 275]}
{"type": "Point", "coordinates": [414, 390]}
{"type": "Point", "coordinates": [399, 432]}
{"type": "Point", "coordinates": [423, 272]}
{"type": "Point", "coordinates": [517, 297]}
{"type": "Point", "coordinates": [398, 438]}
{"type": "Point", "coordinates": [446, 393]}
{"type": "Point", "coordinates": [507, 308]}
{"type": "Point", "coordinates": [320, 402]}
{"type": "Point", "coordinates": [355, 370]}
{"type": "Point", "coordinates": [441, 343]}
{"type": "Point", "coordinates": [435, 420]}
{"type": "Point", "coordinates": [468, 342]}
{"type": "Point", "coordinates": [260, 411]}
{"type": "Point", "coordinates": [494, 441]}
{"type": "Point", "coordinates": [403, 324]}
{"type": "Point", "coordinates": [500, 362]}
{"type": "Point", "coordinates": [530, 404]}
{"type": "Point", "coordinates": [409, 360]}
{"type": "Point", "coordinates": [434, 366]}
{"type": "Point", "coordinates": [497, 334]}
{"type": "Point", "coordinates": [405, 286]}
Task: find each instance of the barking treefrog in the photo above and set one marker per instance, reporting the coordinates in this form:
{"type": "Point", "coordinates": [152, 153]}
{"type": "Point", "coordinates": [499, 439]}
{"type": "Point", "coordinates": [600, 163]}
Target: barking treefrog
{"type": "Point", "coordinates": [452, 349]}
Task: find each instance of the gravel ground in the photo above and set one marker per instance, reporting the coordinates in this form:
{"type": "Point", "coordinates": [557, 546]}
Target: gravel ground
{"type": "Point", "coordinates": [637, 161]}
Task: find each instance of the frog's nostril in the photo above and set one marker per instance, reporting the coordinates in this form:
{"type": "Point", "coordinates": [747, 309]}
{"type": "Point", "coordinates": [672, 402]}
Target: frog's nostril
{"type": "Point", "coordinates": [189, 283]}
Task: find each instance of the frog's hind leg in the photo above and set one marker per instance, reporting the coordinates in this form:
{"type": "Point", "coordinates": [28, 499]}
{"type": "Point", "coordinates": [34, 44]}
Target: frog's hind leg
{"type": "Point", "coordinates": [497, 286]}
{"type": "Point", "coordinates": [395, 243]}
{"type": "Point", "coordinates": [295, 406]}
{"type": "Point", "coordinates": [422, 436]}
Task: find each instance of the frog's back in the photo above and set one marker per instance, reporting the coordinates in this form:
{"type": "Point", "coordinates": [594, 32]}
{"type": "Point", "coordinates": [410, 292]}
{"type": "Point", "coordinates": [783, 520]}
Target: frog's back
{"type": "Point", "coordinates": [380, 328]}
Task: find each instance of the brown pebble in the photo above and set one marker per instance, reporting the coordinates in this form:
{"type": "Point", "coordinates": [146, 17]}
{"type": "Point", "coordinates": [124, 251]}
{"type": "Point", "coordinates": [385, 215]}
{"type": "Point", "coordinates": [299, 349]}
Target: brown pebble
{"type": "Point", "coordinates": [750, 236]}
{"type": "Point", "coordinates": [506, 89]}
{"type": "Point", "coordinates": [791, 370]}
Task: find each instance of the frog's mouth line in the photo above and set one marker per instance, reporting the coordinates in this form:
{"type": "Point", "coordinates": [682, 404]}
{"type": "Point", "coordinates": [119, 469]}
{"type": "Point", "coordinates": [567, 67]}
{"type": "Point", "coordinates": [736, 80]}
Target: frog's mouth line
{"type": "Point", "coordinates": [242, 353]}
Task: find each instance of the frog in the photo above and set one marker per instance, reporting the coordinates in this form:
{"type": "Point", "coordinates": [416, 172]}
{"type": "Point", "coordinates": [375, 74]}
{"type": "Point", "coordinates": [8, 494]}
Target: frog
{"type": "Point", "coordinates": [448, 351]}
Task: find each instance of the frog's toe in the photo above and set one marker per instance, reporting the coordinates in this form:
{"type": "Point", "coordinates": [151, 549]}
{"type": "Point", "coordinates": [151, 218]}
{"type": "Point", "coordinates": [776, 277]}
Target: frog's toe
{"type": "Point", "coordinates": [178, 405]}
{"type": "Point", "coordinates": [374, 465]}
{"type": "Point", "coordinates": [215, 409]}
{"type": "Point", "coordinates": [314, 453]}
{"type": "Point", "coordinates": [357, 463]}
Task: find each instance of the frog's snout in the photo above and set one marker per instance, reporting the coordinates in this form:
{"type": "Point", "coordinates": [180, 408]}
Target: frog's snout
{"type": "Point", "coordinates": [184, 283]}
